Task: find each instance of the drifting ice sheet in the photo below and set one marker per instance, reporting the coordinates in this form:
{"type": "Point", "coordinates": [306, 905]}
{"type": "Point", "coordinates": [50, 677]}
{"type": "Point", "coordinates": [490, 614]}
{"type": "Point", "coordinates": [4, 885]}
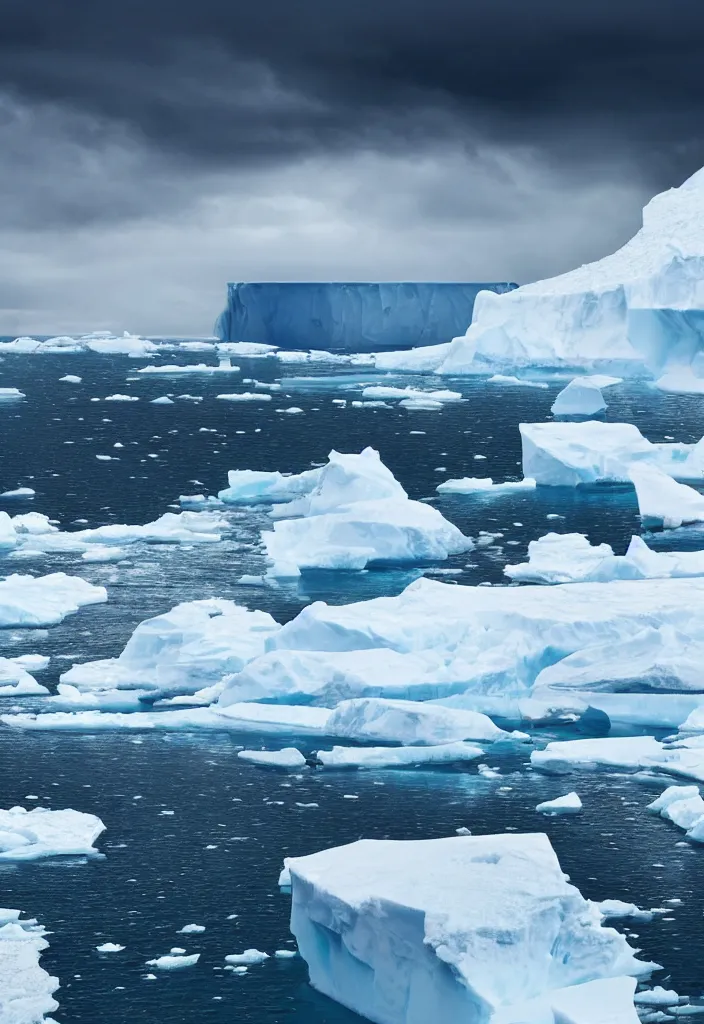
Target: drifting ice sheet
{"type": "Point", "coordinates": [26, 990]}
{"type": "Point", "coordinates": [40, 833]}
{"type": "Point", "coordinates": [45, 600]}
{"type": "Point", "coordinates": [401, 932]}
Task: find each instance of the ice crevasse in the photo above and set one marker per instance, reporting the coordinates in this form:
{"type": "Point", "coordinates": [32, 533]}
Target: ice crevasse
{"type": "Point", "coordinates": [643, 304]}
{"type": "Point", "coordinates": [484, 930]}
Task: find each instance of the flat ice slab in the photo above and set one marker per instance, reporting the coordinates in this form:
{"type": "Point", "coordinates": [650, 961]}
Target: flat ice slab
{"type": "Point", "coordinates": [380, 922]}
{"type": "Point", "coordinates": [399, 757]}
{"type": "Point", "coordinates": [569, 454]}
{"type": "Point", "coordinates": [40, 833]}
{"type": "Point", "coordinates": [664, 502]}
{"type": "Point", "coordinates": [45, 600]}
{"type": "Point", "coordinates": [289, 757]}
{"type": "Point", "coordinates": [26, 989]}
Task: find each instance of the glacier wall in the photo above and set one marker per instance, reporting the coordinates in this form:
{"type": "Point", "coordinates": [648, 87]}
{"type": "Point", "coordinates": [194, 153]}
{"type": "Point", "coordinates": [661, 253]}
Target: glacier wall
{"type": "Point", "coordinates": [348, 316]}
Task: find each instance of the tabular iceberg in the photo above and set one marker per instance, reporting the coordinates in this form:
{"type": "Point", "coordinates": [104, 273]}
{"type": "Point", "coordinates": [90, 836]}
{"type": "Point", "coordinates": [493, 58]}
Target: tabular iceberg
{"type": "Point", "coordinates": [348, 317]}
{"type": "Point", "coordinates": [479, 929]}
{"type": "Point", "coordinates": [644, 304]}
{"type": "Point", "coordinates": [40, 833]}
{"type": "Point", "coordinates": [26, 990]}
{"type": "Point", "coordinates": [569, 454]}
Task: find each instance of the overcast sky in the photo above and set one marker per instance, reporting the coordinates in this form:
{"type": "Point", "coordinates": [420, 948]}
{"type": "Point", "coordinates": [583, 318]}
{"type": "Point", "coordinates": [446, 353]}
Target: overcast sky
{"type": "Point", "coordinates": [152, 150]}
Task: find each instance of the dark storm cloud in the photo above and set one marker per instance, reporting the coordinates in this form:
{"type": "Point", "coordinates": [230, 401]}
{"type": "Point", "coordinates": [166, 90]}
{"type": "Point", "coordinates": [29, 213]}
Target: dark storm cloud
{"type": "Point", "coordinates": [222, 82]}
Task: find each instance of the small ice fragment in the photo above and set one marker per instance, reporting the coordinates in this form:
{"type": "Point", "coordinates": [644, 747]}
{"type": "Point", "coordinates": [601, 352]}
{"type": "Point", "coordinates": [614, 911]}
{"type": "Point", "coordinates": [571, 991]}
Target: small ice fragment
{"type": "Point", "coordinates": [568, 804]}
{"type": "Point", "coordinates": [110, 947]}
{"type": "Point", "coordinates": [250, 956]}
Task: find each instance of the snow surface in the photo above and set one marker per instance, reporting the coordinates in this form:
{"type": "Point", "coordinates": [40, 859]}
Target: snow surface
{"type": "Point", "coordinates": [379, 923]}
{"type": "Point", "coordinates": [580, 398]}
{"type": "Point", "coordinates": [40, 833]}
{"type": "Point", "coordinates": [45, 600]}
{"type": "Point", "coordinates": [26, 990]}
{"type": "Point", "coordinates": [567, 454]}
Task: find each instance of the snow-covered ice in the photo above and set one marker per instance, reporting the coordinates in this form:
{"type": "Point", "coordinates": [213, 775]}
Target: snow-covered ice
{"type": "Point", "coordinates": [483, 485]}
{"type": "Point", "coordinates": [173, 962]}
{"type": "Point", "coordinates": [8, 394]}
{"type": "Point", "coordinates": [411, 723]}
{"type": "Point", "coordinates": [379, 923]}
{"type": "Point", "coordinates": [399, 757]}
{"type": "Point", "coordinates": [194, 645]}
{"type": "Point", "coordinates": [581, 397]}
{"type": "Point", "coordinates": [45, 600]}
{"type": "Point", "coordinates": [629, 752]}
{"type": "Point", "coordinates": [248, 958]}
{"type": "Point", "coordinates": [383, 391]}
{"type": "Point", "coordinates": [568, 804]}
{"type": "Point", "coordinates": [564, 454]}
{"type": "Point", "coordinates": [244, 396]}
{"type": "Point", "coordinates": [40, 833]}
{"type": "Point", "coordinates": [289, 757]}
{"type": "Point", "coordinates": [16, 681]}
{"type": "Point", "coordinates": [110, 947]}
{"type": "Point", "coordinates": [26, 989]}
{"type": "Point", "coordinates": [684, 807]}
{"type": "Point", "coordinates": [664, 502]}
{"type": "Point", "coordinates": [174, 370]}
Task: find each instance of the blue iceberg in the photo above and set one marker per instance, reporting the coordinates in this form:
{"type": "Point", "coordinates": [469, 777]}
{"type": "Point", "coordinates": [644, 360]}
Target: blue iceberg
{"type": "Point", "coordinates": [349, 317]}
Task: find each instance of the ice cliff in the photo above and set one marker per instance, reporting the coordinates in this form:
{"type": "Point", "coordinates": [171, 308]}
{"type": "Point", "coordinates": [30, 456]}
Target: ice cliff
{"type": "Point", "coordinates": [348, 316]}
{"type": "Point", "coordinates": [643, 304]}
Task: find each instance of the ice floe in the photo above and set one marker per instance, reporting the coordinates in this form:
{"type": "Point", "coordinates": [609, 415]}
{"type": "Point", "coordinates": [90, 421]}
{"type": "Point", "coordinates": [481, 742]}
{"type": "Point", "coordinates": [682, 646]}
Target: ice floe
{"type": "Point", "coordinates": [173, 962]}
{"type": "Point", "coordinates": [684, 807]}
{"type": "Point", "coordinates": [16, 681]}
{"type": "Point", "coordinates": [565, 454]}
{"type": "Point", "coordinates": [664, 502]}
{"type": "Point", "coordinates": [40, 833]}
{"type": "Point", "coordinates": [568, 804]}
{"type": "Point", "coordinates": [174, 369]}
{"type": "Point", "coordinates": [399, 757]}
{"type": "Point", "coordinates": [379, 923]}
{"type": "Point", "coordinates": [289, 757]}
{"type": "Point", "coordinates": [483, 485]}
{"type": "Point", "coordinates": [26, 989]}
{"type": "Point", "coordinates": [101, 342]}
{"type": "Point", "coordinates": [45, 600]}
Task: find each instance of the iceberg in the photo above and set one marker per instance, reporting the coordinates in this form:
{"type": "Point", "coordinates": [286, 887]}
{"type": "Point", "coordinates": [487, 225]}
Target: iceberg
{"type": "Point", "coordinates": [570, 558]}
{"type": "Point", "coordinates": [29, 601]}
{"type": "Point", "coordinates": [640, 307]}
{"type": "Point", "coordinates": [467, 928]}
{"type": "Point", "coordinates": [567, 454]}
{"type": "Point", "coordinates": [194, 645]}
{"type": "Point", "coordinates": [347, 316]}
{"type": "Point", "coordinates": [568, 804]}
{"type": "Point", "coordinates": [663, 501]}
{"type": "Point", "coordinates": [581, 397]}
{"type": "Point", "coordinates": [684, 807]}
{"type": "Point", "coordinates": [15, 681]}
{"type": "Point", "coordinates": [26, 990]}
{"type": "Point", "coordinates": [41, 833]}
{"type": "Point", "coordinates": [101, 342]}
{"type": "Point", "coordinates": [356, 512]}
{"type": "Point", "coordinates": [411, 723]}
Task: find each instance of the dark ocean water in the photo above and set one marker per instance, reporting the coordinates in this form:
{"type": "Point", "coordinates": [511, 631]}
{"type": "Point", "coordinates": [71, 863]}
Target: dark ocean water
{"type": "Point", "coordinates": [160, 871]}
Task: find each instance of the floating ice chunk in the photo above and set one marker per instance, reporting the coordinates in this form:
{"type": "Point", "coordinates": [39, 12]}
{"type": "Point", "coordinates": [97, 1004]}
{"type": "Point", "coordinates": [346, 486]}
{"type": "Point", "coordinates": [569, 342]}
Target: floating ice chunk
{"type": "Point", "coordinates": [664, 501]}
{"type": "Point", "coordinates": [102, 553]}
{"type": "Point", "coordinates": [45, 600]}
{"type": "Point", "coordinates": [8, 394]}
{"type": "Point", "coordinates": [70, 698]}
{"type": "Point", "coordinates": [629, 752]}
{"type": "Point", "coordinates": [275, 718]}
{"type": "Point", "coordinates": [249, 486]}
{"type": "Point", "coordinates": [191, 929]}
{"type": "Point", "coordinates": [483, 485]}
{"type": "Point", "coordinates": [684, 807]}
{"type": "Point", "coordinates": [410, 722]}
{"type": "Point", "coordinates": [15, 681]}
{"type": "Point", "coordinates": [285, 954]}
{"type": "Point", "coordinates": [122, 398]}
{"type": "Point", "coordinates": [511, 381]}
{"type": "Point", "coordinates": [171, 962]}
{"type": "Point", "coordinates": [672, 795]}
{"type": "Point", "coordinates": [19, 492]}
{"type": "Point", "coordinates": [383, 392]}
{"type": "Point", "coordinates": [617, 909]}
{"type": "Point", "coordinates": [657, 996]}
{"type": "Point", "coordinates": [380, 922]}
{"type": "Point", "coordinates": [249, 957]}
{"type": "Point", "coordinates": [40, 833]}
{"type": "Point", "coordinates": [245, 396]}
{"type": "Point", "coordinates": [191, 646]}
{"type": "Point", "coordinates": [289, 757]}
{"type": "Point", "coordinates": [71, 378]}
{"type": "Point", "coordinates": [568, 454]}
{"type": "Point", "coordinates": [396, 530]}
{"type": "Point", "coordinates": [568, 804]}
{"type": "Point", "coordinates": [26, 990]}
{"type": "Point", "coordinates": [200, 501]}
{"type": "Point", "coordinates": [398, 757]}
{"type": "Point", "coordinates": [162, 400]}
{"type": "Point", "coordinates": [110, 947]}
{"type": "Point", "coordinates": [173, 370]}
{"type": "Point", "coordinates": [581, 397]}
{"type": "Point", "coordinates": [250, 349]}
